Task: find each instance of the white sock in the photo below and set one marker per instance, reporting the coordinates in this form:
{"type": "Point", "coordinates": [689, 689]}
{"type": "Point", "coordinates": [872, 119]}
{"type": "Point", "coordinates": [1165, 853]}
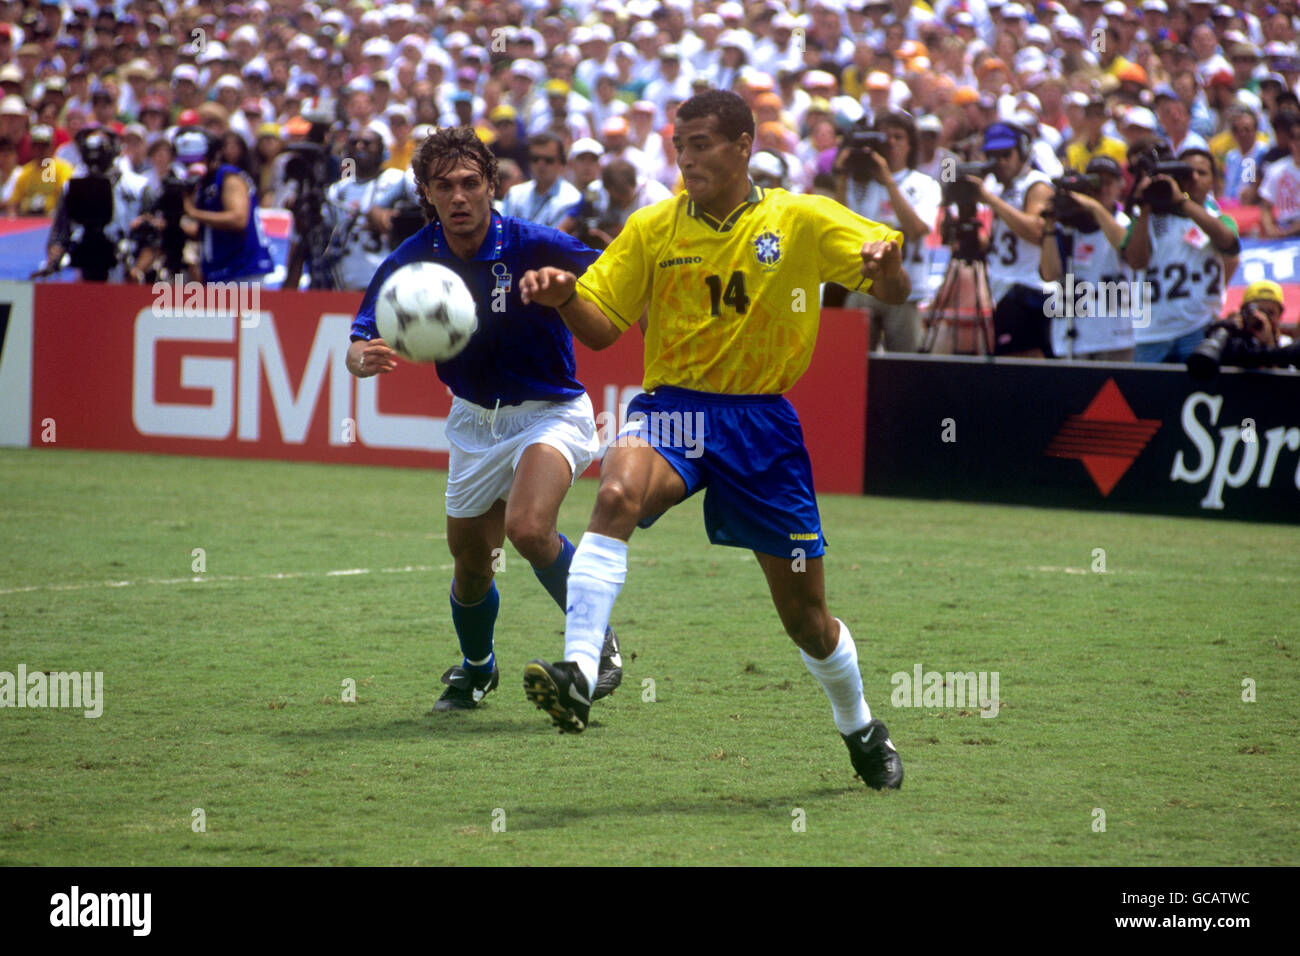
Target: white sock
{"type": "Point", "coordinates": [842, 681]}
{"type": "Point", "coordinates": [595, 577]}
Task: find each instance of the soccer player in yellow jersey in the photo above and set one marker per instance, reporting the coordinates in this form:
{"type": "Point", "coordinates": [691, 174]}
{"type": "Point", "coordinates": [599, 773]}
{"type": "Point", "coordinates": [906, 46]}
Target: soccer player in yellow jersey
{"type": "Point", "coordinates": [730, 276]}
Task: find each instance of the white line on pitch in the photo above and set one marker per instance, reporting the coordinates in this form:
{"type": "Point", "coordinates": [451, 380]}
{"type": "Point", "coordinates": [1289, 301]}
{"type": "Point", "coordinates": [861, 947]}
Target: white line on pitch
{"type": "Point", "coordinates": [210, 578]}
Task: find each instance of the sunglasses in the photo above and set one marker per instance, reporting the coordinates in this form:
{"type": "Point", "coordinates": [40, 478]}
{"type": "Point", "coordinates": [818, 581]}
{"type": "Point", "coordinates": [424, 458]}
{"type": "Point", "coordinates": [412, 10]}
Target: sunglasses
{"type": "Point", "coordinates": [543, 159]}
{"type": "Point", "coordinates": [997, 153]}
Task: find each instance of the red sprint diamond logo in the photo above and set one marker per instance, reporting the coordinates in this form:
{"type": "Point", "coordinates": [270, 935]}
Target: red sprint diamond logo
{"type": "Point", "coordinates": [1107, 437]}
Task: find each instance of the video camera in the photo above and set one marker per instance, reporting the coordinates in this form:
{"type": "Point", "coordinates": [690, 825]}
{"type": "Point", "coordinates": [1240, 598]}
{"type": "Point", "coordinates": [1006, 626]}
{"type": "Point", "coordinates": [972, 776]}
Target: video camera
{"type": "Point", "coordinates": [98, 148]}
{"type": "Point", "coordinates": [958, 192]}
{"type": "Point", "coordinates": [861, 142]}
{"type": "Point", "coordinates": [962, 232]}
{"type": "Point", "coordinates": [1065, 209]}
{"type": "Point", "coordinates": [1158, 160]}
{"type": "Point", "coordinates": [1237, 346]}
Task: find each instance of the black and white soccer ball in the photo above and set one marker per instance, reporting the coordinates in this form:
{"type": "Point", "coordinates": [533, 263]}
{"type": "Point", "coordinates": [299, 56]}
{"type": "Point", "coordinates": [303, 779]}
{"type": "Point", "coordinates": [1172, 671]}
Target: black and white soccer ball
{"type": "Point", "coordinates": [425, 312]}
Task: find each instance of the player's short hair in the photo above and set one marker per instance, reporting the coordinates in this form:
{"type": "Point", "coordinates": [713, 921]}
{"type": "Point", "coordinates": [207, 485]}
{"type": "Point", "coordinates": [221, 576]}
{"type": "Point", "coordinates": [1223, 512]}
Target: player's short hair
{"type": "Point", "coordinates": [441, 152]}
{"type": "Point", "coordinates": [900, 120]}
{"type": "Point", "coordinates": [733, 114]}
{"type": "Point", "coordinates": [545, 139]}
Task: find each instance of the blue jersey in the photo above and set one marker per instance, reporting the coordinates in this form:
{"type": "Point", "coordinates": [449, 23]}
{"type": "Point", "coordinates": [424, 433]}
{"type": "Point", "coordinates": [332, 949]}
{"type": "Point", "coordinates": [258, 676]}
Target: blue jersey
{"type": "Point", "coordinates": [228, 254]}
{"type": "Point", "coordinates": [520, 353]}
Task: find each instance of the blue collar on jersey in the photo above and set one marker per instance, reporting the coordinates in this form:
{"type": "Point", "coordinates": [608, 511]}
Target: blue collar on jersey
{"type": "Point", "coordinates": [493, 242]}
{"type": "Point", "coordinates": [756, 194]}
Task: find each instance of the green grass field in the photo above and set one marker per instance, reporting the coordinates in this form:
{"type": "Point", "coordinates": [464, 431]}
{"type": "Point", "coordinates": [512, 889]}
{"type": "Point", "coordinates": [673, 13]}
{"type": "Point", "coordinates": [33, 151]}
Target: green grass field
{"type": "Point", "coordinates": [1120, 691]}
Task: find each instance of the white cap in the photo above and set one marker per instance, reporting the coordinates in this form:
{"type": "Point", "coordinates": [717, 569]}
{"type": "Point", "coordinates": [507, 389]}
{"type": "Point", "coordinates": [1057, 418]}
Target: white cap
{"type": "Point", "coordinates": [1141, 117]}
{"type": "Point", "coordinates": [767, 164]}
{"type": "Point", "coordinates": [586, 145]}
{"type": "Point", "coordinates": [1038, 33]}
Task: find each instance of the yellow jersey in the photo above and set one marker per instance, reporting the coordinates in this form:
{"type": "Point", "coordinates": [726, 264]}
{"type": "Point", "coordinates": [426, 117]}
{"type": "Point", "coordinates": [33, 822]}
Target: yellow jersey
{"type": "Point", "coordinates": [1078, 154]}
{"type": "Point", "coordinates": [733, 304]}
{"type": "Point", "coordinates": [38, 188]}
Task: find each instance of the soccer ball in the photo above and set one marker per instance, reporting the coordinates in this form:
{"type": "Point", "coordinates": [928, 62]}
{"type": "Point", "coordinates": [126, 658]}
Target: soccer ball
{"type": "Point", "coordinates": [425, 312]}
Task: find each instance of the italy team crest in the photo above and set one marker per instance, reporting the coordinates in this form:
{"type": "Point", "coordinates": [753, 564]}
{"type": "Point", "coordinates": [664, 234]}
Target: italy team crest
{"type": "Point", "coordinates": [767, 249]}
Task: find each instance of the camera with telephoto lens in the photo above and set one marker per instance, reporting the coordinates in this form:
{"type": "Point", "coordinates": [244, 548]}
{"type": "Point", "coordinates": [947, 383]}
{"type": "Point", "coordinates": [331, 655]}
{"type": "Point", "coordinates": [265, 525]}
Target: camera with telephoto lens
{"type": "Point", "coordinates": [1065, 209]}
{"type": "Point", "coordinates": [1237, 346]}
{"type": "Point", "coordinates": [1158, 160]}
{"type": "Point", "coordinates": [861, 143]}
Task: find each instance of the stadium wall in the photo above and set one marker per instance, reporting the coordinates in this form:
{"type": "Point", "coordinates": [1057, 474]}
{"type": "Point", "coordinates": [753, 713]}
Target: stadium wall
{"type": "Point", "coordinates": [1106, 437]}
{"type": "Point", "coordinates": [105, 367]}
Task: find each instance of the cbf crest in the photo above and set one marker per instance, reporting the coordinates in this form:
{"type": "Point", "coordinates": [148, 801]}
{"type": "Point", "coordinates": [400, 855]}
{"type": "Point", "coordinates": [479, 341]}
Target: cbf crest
{"type": "Point", "coordinates": [768, 249]}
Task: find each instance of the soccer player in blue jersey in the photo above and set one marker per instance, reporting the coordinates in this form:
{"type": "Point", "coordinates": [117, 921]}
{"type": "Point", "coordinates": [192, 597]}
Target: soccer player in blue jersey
{"type": "Point", "coordinates": [721, 269]}
{"type": "Point", "coordinates": [521, 427]}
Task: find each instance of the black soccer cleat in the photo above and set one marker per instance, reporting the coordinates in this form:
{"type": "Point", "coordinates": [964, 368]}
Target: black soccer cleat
{"type": "Point", "coordinates": [874, 756]}
{"type": "Point", "coordinates": [561, 691]}
{"type": "Point", "coordinates": [610, 674]}
{"type": "Point", "coordinates": [465, 688]}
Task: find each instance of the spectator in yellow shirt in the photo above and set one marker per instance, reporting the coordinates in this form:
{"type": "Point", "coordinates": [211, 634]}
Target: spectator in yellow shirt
{"type": "Point", "coordinates": [40, 182]}
{"type": "Point", "coordinates": [403, 147]}
{"type": "Point", "coordinates": [1093, 142]}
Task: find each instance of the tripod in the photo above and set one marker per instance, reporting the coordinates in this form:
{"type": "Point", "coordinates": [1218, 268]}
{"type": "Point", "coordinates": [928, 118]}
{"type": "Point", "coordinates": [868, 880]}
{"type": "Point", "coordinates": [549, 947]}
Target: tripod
{"type": "Point", "coordinates": [963, 242]}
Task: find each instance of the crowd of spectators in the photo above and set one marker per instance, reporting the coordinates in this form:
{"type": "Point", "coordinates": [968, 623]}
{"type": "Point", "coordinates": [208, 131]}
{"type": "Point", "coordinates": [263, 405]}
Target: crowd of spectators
{"type": "Point", "coordinates": [578, 97]}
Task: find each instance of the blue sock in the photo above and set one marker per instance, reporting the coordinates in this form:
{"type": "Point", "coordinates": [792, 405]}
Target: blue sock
{"type": "Point", "coordinates": [555, 576]}
{"type": "Point", "coordinates": [474, 623]}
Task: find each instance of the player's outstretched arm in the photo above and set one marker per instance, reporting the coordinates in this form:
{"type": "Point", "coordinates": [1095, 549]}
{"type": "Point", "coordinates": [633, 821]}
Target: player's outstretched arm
{"type": "Point", "coordinates": [558, 289]}
{"type": "Point", "coordinates": [882, 263]}
{"type": "Point", "coordinates": [370, 358]}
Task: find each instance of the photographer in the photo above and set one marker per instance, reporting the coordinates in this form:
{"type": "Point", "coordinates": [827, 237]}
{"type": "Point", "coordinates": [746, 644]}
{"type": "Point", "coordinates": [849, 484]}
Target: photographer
{"type": "Point", "coordinates": [1017, 194]}
{"type": "Point", "coordinates": [356, 247]}
{"type": "Point", "coordinates": [1248, 338]}
{"type": "Point", "coordinates": [1186, 246]}
{"type": "Point", "coordinates": [95, 210]}
{"type": "Point", "coordinates": [157, 233]}
{"type": "Point", "coordinates": [1083, 234]}
{"type": "Point", "coordinates": [308, 167]}
{"type": "Point", "coordinates": [876, 177]}
{"type": "Point", "coordinates": [222, 213]}
{"type": "Point", "coordinates": [622, 191]}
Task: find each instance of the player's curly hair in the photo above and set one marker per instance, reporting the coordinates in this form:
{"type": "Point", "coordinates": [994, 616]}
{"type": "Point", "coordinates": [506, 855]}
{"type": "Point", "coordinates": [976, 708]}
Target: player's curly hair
{"type": "Point", "coordinates": [734, 116]}
{"type": "Point", "coordinates": [442, 151]}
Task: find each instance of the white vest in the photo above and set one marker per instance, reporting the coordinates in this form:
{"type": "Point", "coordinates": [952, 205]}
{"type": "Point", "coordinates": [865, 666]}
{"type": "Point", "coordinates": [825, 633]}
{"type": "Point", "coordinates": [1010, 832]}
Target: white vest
{"type": "Point", "coordinates": [1011, 260]}
{"type": "Point", "coordinates": [871, 200]}
{"type": "Point", "coordinates": [1185, 281]}
{"type": "Point", "coordinates": [1102, 311]}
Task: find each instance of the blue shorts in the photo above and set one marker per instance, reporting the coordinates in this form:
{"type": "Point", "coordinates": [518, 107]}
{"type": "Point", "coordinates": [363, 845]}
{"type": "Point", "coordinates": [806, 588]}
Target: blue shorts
{"type": "Point", "coordinates": [747, 453]}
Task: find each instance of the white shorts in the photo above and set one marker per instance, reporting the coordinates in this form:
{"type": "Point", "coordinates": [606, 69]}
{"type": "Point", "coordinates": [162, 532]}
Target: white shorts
{"type": "Point", "coordinates": [485, 447]}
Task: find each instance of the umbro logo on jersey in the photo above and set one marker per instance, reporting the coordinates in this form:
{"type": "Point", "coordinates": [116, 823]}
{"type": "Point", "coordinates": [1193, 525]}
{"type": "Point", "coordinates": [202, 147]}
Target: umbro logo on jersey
{"type": "Point", "coordinates": [1107, 437]}
{"type": "Point", "coordinates": [680, 261]}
